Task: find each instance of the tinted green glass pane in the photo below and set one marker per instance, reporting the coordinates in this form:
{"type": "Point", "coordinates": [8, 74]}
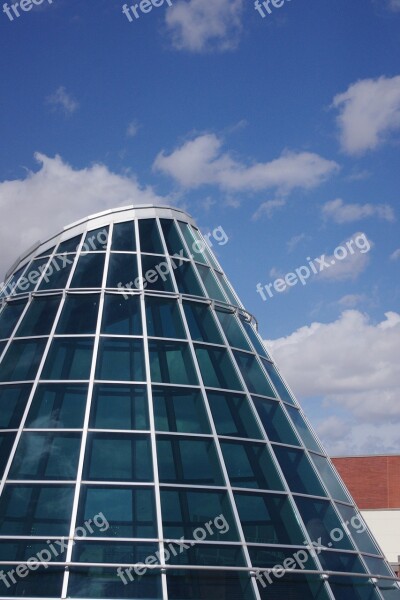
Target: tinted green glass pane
{"type": "Point", "coordinates": [10, 316]}
{"type": "Point", "coordinates": [164, 318]}
{"type": "Point", "coordinates": [13, 400]}
{"type": "Point", "coordinates": [89, 271]}
{"type": "Point", "coordinates": [298, 471]}
{"type": "Point", "coordinates": [201, 323]}
{"type": "Point", "coordinates": [100, 582]}
{"type": "Point", "coordinates": [121, 315]}
{"type": "Point", "coordinates": [124, 238]}
{"type": "Point", "coordinates": [70, 245]}
{"type": "Point", "coordinates": [329, 477]}
{"type": "Point", "coordinates": [95, 240]}
{"type": "Point", "coordinates": [120, 360]}
{"type": "Point", "coordinates": [232, 329]}
{"type": "Point", "coordinates": [322, 523]}
{"type": "Point", "coordinates": [171, 362]}
{"type": "Point", "coordinates": [210, 283]}
{"type": "Point", "coordinates": [250, 465]}
{"type": "Point", "coordinates": [25, 548]}
{"type": "Point", "coordinates": [35, 584]}
{"type": "Point", "coordinates": [22, 360]}
{"type": "Point", "coordinates": [269, 558]}
{"type": "Point", "coordinates": [225, 286]}
{"type": "Point", "coordinates": [357, 527]}
{"type": "Point", "coordinates": [187, 281]}
{"type": "Point", "coordinates": [275, 422]}
{"type": "Point", "coordinates": [46, 456]}
{"type": "Point", "coordinates": [57, 273]}
{"type": "Point", "coordinates": [39, 318]}
{"type": "Point", "coordinates": [130, 510]}
{"type": "Point", "coordinates": [201, 248]}
{"type": "Point", "coordinates": [11, 283]}
{"type": "Point", "coordinates": [118, 457]}
{"type": "Point", "coordinates": [377, 566]}
{"type": "Point", "coordinates": [341, 561]}
{"type": "Point", "coordinates": [300, 587]}
{"type": "Point", "coordinates": [69, 358]}
{"type": "Point", "coordinates": [191, 242]}
{"type": "Point", "coordinates": [29, 280]}
{"type": "Point", "coordinates": [254, 337]}
{"type": "Point", "coordinates": [172, 238]}
{"type": "Point", "coordinates": [156, 274]}
{"type": "Point", "coordinates": [209, 584]}
{"type": "Point", "coordinates": [208, 554]}
{"type": "Point", "coordinates": [347, 588]}
{"type": "Point", "coordinates": [216, 368]}
{"type": "Point", "coordinates": [277, 381]}
{"type": "Point", "coordinates": [113, 552]}
{"type": "Point", "coordinates": [36, 509]}
{"type": "Point", "coordinates": [233, 416]}
{"type": "Point", "coordinates": [185, 510]}
{"type": "Point", "coordinates": [253, 375]}
{"type": "Point", "coordinates": [79, 314]}
{"type": "Point", "coordinates": [302, 429]}
{"type": "Point", "coordinates": [389, 590]}
{"type": "Point", "coordinates": [189, 461]}
{"type": "Point", "coordinates": [57, 406]}
{"type": "Point", "coordinates": [268, 519]}
{"type": "Point", "coordinates": [179, 410]}
{"type": "Point", "coordinates": [6, 443]}
{"type": "Point", "coordinates": [123, 272]}
{"type": "Point", "coordinates": [119, 407]}
{"type": "Point", "coordinates": [150, 240]}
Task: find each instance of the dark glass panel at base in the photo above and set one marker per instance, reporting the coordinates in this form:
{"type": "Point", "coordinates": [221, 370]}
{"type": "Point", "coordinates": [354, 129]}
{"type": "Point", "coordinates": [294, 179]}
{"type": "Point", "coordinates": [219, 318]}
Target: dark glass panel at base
{"type": "Point", "coordinates": [348, 588]}
{"type": "Point", "coordinates": [97, 582]}
{"type": "Point", "coordinates": [209, 585]}
{"type": "Point", "coordinates": [212, 555]}
{"type": "Point", "coordinates": [291, 558]}
{"type": "Point", "coordinates": [119, 553]}
{"type": "Point", "coordinates": [341, 561]}
{"type": "Point", "coordinates": [290, 586]}
{"type": "Point", "coordinates": [43, 583]}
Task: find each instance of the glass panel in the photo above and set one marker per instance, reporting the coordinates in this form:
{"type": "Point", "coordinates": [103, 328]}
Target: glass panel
{"type": "Point", "coordinates": [187, 281]}
{"type": "Point", "coordinates": [96, 582]}
{"type": "Point", "coordinates": [70, 245]}
{"type": "Point", "coordinates": [79, 314]}
{"type": "Point", "coordinates": [172, 238]}
{"type": "Point", "coordinates": [347, 588]}
{"type": "Point", "coordinates": [130, 510]}
{"type": "Point", "coordinates": [268, 558]}
{"type": "Point", "coordinates": [119, 553]}
{"type": "Point", "coordinates": [10, 316]}
{"type": "Point", "coordinates": [156, 274]}
{"type": "Point", "coordinates": [253, 375]}
{"type": "Point", "coordinates": [28, 282]}
{"type": "Point", "coordinates": [233, 416]}
{"type": "Point", "coordinates": [210, 283]}
{"type": "Point", "coordinates": [6, 443]}
{"type": "Point", "coordinates": [302, 429]}
{"type": "Point", "coordinates": [250, 465]}
{"type": "Point", "coordinates": [184, 511]}
{"type": "Point", "coordinates": [254, 337]}
{"type": "Point", "coordinates": [209, 584]}
{"type": "Point", "coordinates": [232, 329]}
{"type": "Point", "coordinates": [13, 399]}
{"type": "Point", "coordinates": [46, 456]}
{"type": "Point", "coordinates": [192, 242]}
{"type": "Point", "coordinates": [201, 247]}
{"type": "Point", "coordinates": [275, 422]}
{"type": "Point", "coordinates": [164, 318]}
{"type": "Point", "coordinates": [322, 523]}
{"type": "Point", "coordinates": [120, 360]}
{"type": "Point", "coordinates": [35, 584]}
{"type": "Point", "coordinates": [277, 381]}
{"type": "Point", "coordinates": [377, 566]}
{"type": "Point", "coordinates": [150, 240]}
{"type": "Point", "coordinates": [118, 457]}
{"type": "Point", "coordinates": [171, 362]}
{"type": "Point", "coordinates": [216, 368]}
{"type": "Point", "coordinates": [57, 273]}
{"type": "Point", "coordinates": [36, 509]}
{"type": "Point", "coordinates": [95, 240]}
{"type": "Point", "coordinates": [58, 406]}
{"type": "Point", "coordinates": [298, 471]}
{"type": "Point", "coordinates": [11, 282]}
{"type": "Point", "coordinates": [355, 524]}
{"type": "Point", "coordinates": [208, 554]}
{"type": "Point", "coordinates": [341, 561]}
{"type": "Point", "coordinates": [89, 271]}
{"type": "Point", "coordinates": [39, 318]}
{"type": "Point", "coordinates": [121, 315]}
{"type": "Point", "coordinates": [123, 272]}
{"type": "Point", "coordinates": [179, 410]}
{"type": "Point", "coordinates": [23, 549]}
{"type": "Point", "coordinates": [189, 461]}
{"type": "Point", "coordinates": [389, 590]}
{"type": "Point", "coordinates": [300, 587]}
{"type": "Point", "coordinates": [22, 360]}
{"type": "Point", "coordinates": [225, 286]}
{"type": "Point", "coordinates": [201, 323]}
{"type": "Point", "coordinates": [69, 358]}
{"type": "Point", "coordinates": [119, 407]}
{"type": "Point", "coordinates": [268, 519]}
{"type": "Point", "coordinates": [329, 477]}
{"type": "Point", "coordinates": [124, 238]}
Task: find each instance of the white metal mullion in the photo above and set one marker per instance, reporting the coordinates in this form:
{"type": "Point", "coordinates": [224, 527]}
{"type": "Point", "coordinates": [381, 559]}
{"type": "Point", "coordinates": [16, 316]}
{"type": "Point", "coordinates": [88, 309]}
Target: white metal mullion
{"type": "Point", "coordinates": [78, 483]}
{"type": "Point", "coordinates": [153, 440]}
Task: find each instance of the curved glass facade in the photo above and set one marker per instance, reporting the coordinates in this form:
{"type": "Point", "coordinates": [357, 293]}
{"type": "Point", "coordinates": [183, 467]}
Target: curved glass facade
{"type": "Point", "coordinates": [150, 448]}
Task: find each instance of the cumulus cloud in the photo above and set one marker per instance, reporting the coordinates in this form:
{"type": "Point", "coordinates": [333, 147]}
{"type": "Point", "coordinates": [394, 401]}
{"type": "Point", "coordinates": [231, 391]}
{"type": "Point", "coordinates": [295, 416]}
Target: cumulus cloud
{"type": "Point", "coordinates": [340, 212]}
{"type": "Point", "coordinates": [369, 111]}
{"type": "Point", "coordinates": [132, 129]}
{"type": "Point", "coordinates": [201, 25]}
{"type": "Point", "coordinates": [351, 300]}
{"type": "Point", "coordinates": [394, 5]}
{"type": "Point", "coordinates": [395, 255]}
{"type": "Point", "coordinates": [295, 241]}
{"type": "Point", "coordinates": [202, 161]}
{"type": "Point", "coordinates": [63, 101]}
{"type": "Point", "coordinates": [350, 262]}
{"type": "Point", "coordinates": [351, 368]}
{"type": "Point", "coordinates": [46, 200]}
{"type": "Point", "coordinates": [268, 208]}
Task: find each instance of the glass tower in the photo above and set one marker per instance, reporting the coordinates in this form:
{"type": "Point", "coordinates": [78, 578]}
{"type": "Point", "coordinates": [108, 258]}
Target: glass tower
{"type": "Point", "coordinates": [150, 448]}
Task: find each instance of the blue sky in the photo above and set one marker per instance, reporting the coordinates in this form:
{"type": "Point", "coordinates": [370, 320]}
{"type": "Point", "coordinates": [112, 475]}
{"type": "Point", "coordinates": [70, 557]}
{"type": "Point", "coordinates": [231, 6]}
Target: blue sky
{"type": "Point", "coordinates": [283, 130]}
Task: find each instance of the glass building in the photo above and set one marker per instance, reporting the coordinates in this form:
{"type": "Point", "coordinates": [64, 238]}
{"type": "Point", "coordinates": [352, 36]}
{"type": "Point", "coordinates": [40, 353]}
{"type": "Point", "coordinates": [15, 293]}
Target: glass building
{"type": "Point", "coordinates": [150, 448]}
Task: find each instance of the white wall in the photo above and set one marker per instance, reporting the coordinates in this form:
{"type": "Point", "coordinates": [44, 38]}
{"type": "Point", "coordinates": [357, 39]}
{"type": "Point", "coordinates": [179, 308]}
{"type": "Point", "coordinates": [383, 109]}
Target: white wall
{"type": "Point", "coordinates": [385, 526]}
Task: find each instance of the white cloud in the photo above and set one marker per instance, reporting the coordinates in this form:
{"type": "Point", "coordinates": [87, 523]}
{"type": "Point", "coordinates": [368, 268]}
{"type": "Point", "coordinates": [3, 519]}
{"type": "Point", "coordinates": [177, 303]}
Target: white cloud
{"type": "Point", "coordinates": [394, 5]}
{"type": "Point", "coordinates": [340, 212]}
{"type": "Point", "coordinates": [202, 25]}
{"type": "Point", "coordinates": [268, 208]}
{"type": "Point", "coordinates": [351, 300]}
{"type": "Point", "coordinates": [355, 259]}
{"type": "Point", "coordinates": [368, 112]}
{"type": "Point", "coordinates": [353, 366]}
{"type": "Point", "coordinates": [295, 241]}
{"type": "Point", "coordinates": [395, 255]}
{"type": "Point", "coordinates": [201, 161]}
{"type": "Point", "coordinates": [132, 129]}
{"type": "Point", "coordinates": [63, 101]}
{"type": "Point", "coordinates": [45, 201]}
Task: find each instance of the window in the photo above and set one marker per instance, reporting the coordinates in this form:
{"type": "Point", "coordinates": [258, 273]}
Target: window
{"type": "Point", "coordinates": [69, 358]}
{"type": "Point", "coordinates": [89, 271]}
{"type": "Point", "coordinates": [28, 282]}
{"type": "Point", "coordinates": [124, 238]}
{"type": "Point", "coordinates": [322, 522]}
{"type": "Point", "coordinates": [232, 329]}
{"type": "Point", "coordinates": [188, 461]}
{"type": "Point", "coordinates": [119, 407]}
{"type": "Point", "coordinates": [179, 410]}
{"type": "Point", "coordinates": [57, 406]}
{"type": "Point", "coordinates": [116, 552]}
{"type": "Point", "coordinates": [39, 318]}
{"type": "Point", "coordinates": [123, 272]}
{"type": "Point", "coordinates": [254, 336]}
{"type": "Point", "coordinates": [79, 314]}
{"type": "Point", "coordinates": [22, 360]}
{"type": "Point", "coordinates": [341, 561]}
{"type": "Point", "coordinates": [101, 582]}
{"type": "Point", "coordinates": [191, 242]}
{"type": "Point", "coordinates": [70, 245]}
{"type": "Point", "coordinates": [164, 318]}
{"type": "Point", "coordinates": [95, 240]}
{"type": "Point", "coordinates": [187, 281]}
{"type": "Point", "coordinates": [225, 286]}
{"type": "Point", "coordinates": [309, 587]}
{"type": "Point", "coordinates": [209, 584]}
{"type": "Point", "coordinates": [201, 322]}
{"type": "Point", "coordinates": [121, 315]}
{"type": "Point", "coordinates": [13, 399]}
{"type": "Point", "coordinates": [232, 415]}
{"type": "Point", "coordinates": [298, 471]}
{"type": "Point", "coordinates": [357, 589]}
{"type": "Point", "coordinates": [6, 443]}
{"type": "Point", "coordinates": [302, 429]}
{"type": "Point", "coordinates": [275, 422]}
{"type": "Point", "coordinates": [277, 381]}
{"type": "Point", "coordinates": [156, 273]}
{"type": "Point", "coordinates": [37, 584]}
{"type": "Point", "coordinates": [358, 529]}
{"type": "Point", "coordinates": [329, 477]}
{"type": "Point", "coordinates": [10, 316]}
{"type": "Point", "coordinates": [253, 375]}
{"type": "Point", "coordinates": [210, 283]}
{"type": "Point", "coordinates": [209, 554]}
{"type": "Point", "coordinates": [57, 273]}
{"type": "Point", "coordinates": [268, 558]}
{"type": "Point", "coordinates": [120, 360]}
{"type": "Point", "coordinates": [172, 238]}
{"type": "Point", "coordinates": [250, 465]}
{"type": "Point", "coordinates": [216, 368]}
{"type": "Point", "coordinates": [171, 362]}
{"type": "Point", "coordinates": [150, 240]}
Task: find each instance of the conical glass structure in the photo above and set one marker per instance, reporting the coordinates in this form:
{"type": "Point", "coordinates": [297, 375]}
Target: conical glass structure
{"type": "Point", "coordinates": [150, 448]}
